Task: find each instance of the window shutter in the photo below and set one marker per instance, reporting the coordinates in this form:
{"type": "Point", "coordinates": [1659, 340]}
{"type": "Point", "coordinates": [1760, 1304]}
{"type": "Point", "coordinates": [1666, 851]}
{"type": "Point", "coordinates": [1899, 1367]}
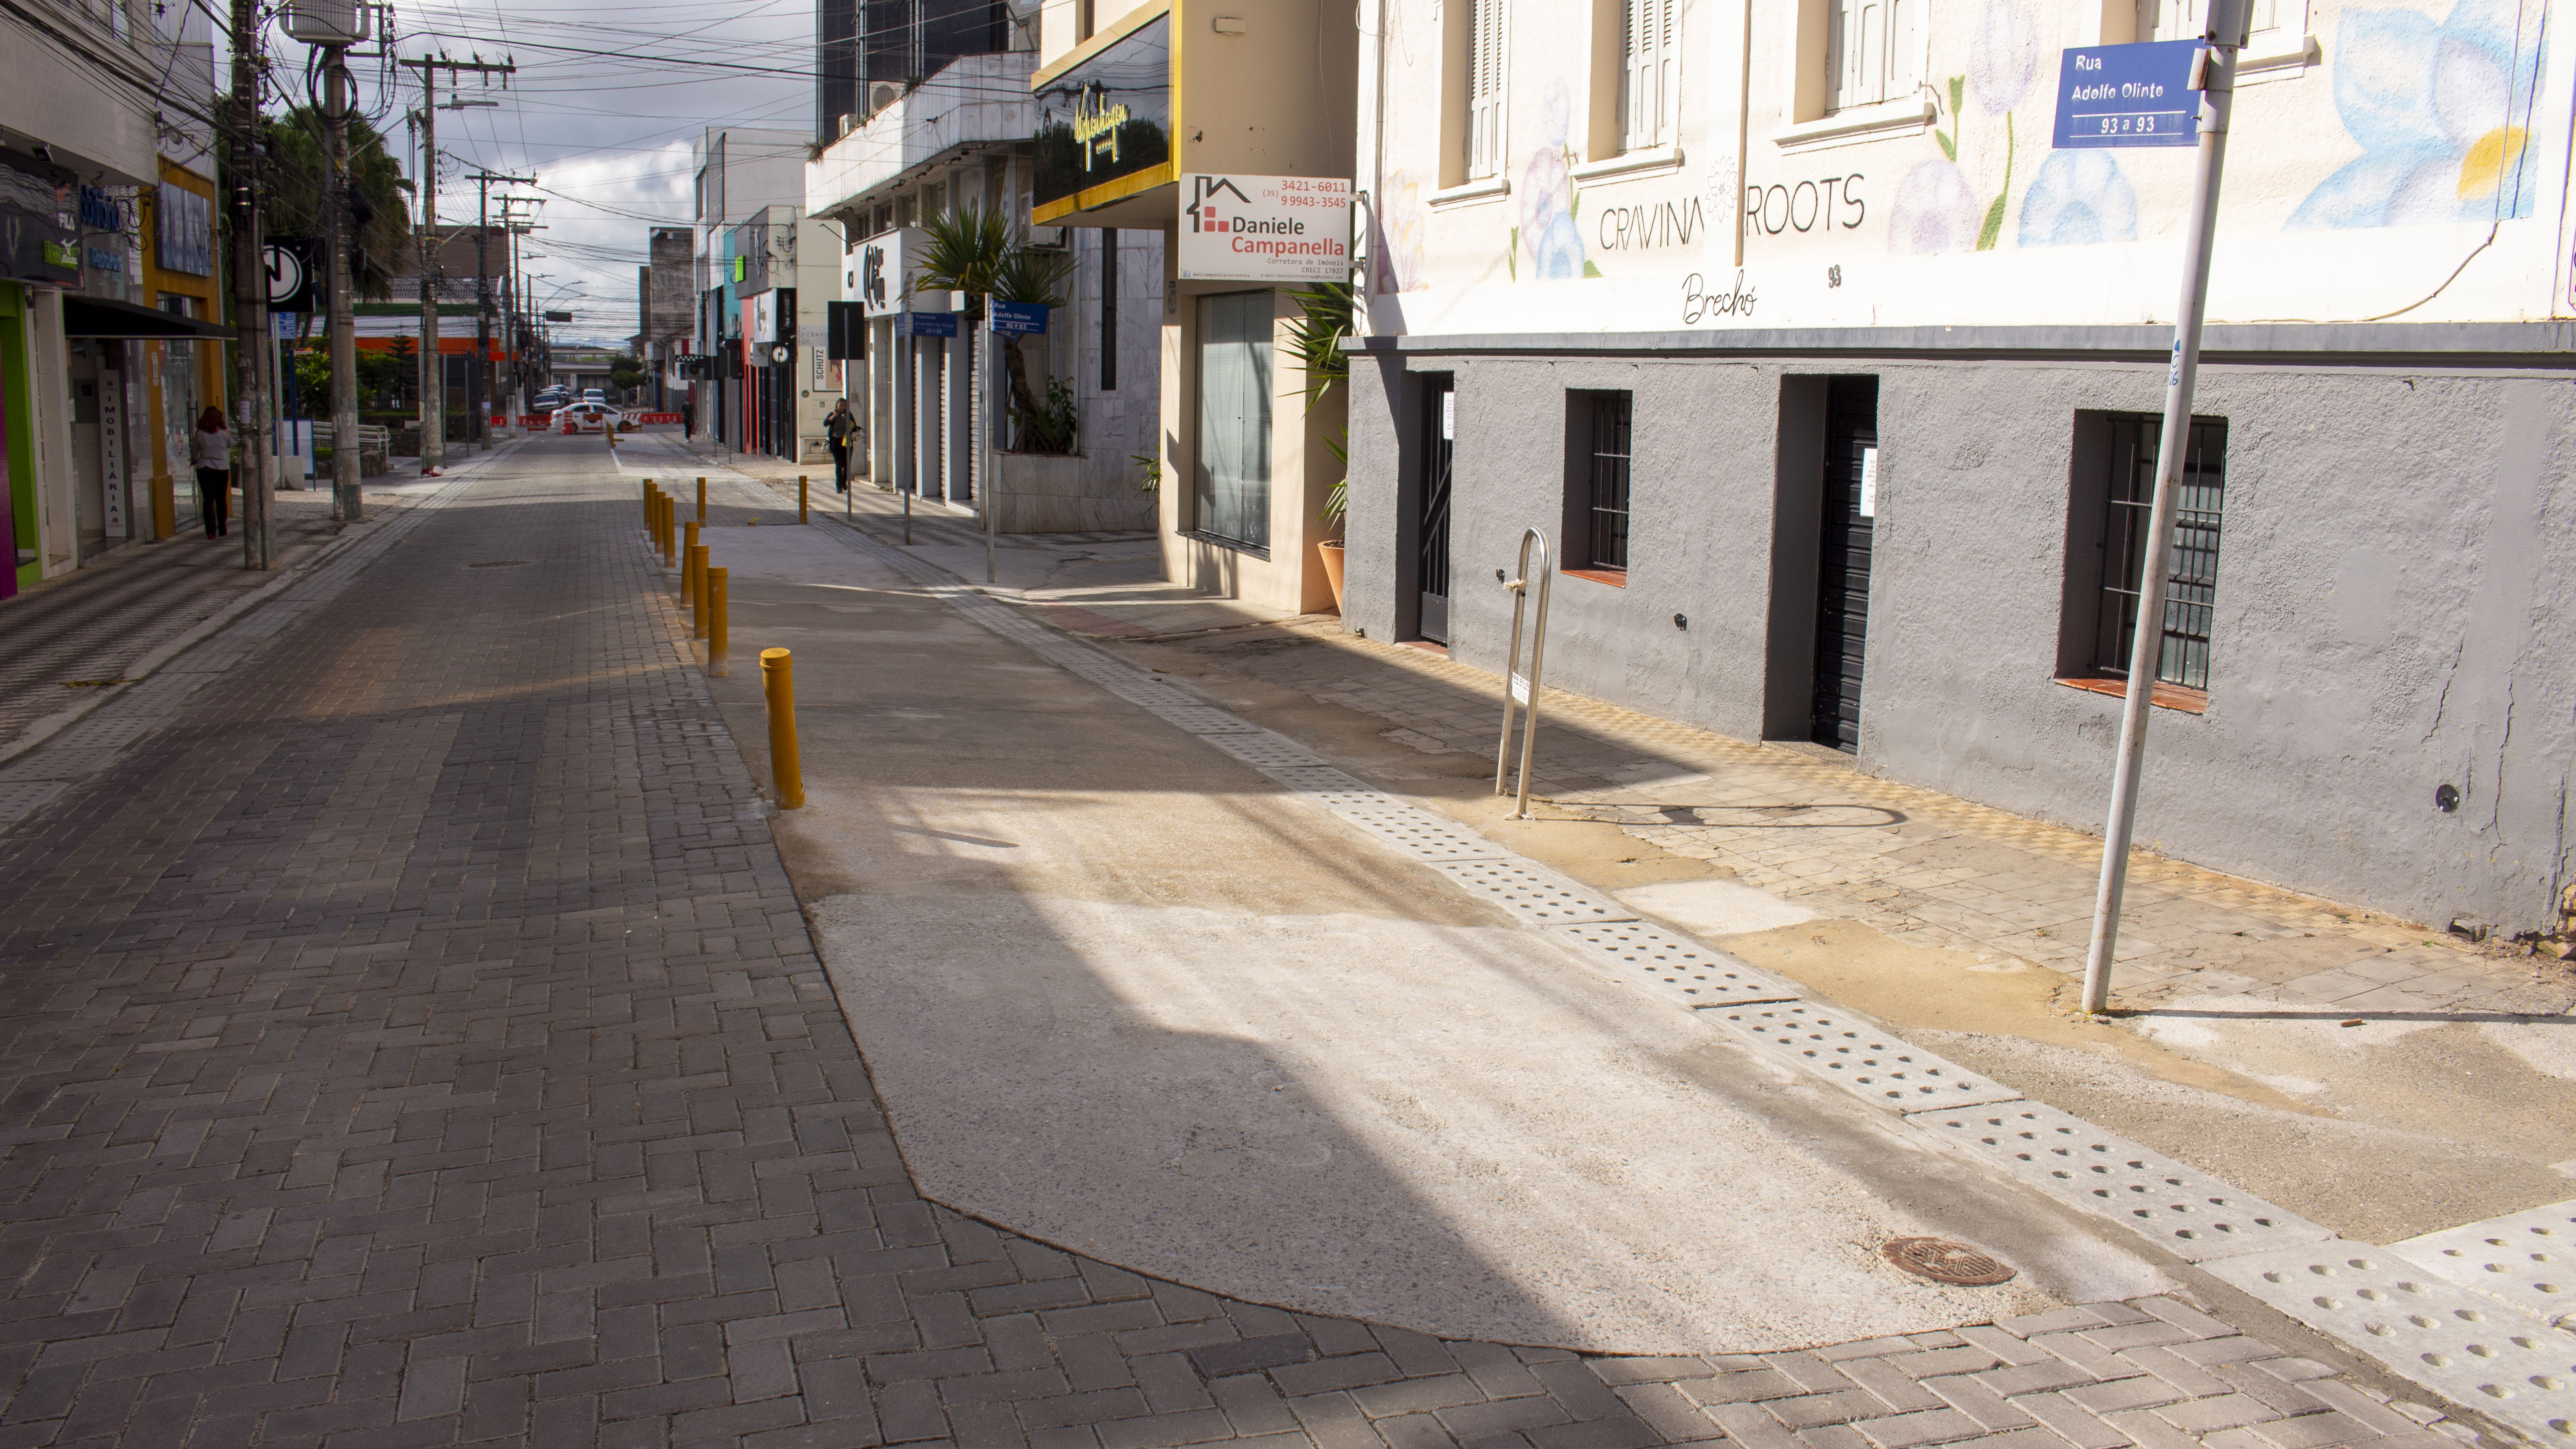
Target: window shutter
{"type": "Point", "coordinates": [1647, 71]}
{"type": "Point", "coordinates": [1485, 88]}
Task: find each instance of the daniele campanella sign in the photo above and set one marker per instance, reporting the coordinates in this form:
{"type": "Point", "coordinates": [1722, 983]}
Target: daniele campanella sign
{"type": "Point", "coordinates": [1105, 124]}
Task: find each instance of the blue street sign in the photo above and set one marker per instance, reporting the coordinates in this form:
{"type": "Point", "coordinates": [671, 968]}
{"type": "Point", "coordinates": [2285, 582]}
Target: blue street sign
{"type": "Point", "coordinates": [929, 324]}
{"type": "Point", "coordinates": [2128, 95]}
{"type": "Point", "coordinates": [1018, 319]}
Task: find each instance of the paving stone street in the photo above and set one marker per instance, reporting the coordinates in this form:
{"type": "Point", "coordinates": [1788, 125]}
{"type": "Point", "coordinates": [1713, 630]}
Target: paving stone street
{"type": "Point", "coordinates": [413, 1037]}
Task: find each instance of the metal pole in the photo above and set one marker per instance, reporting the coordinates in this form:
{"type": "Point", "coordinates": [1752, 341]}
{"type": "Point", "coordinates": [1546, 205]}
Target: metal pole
{"type": "Point", "coordinates": [346, 500]}
{"type": "Point", "coordinates": [1520, 689]}
{"type": "Point", "coordinates": [250, 293]}
{"type": "Point", "coordinates": [2225, 34]}
{"type": "Point", "coordinates": [992, 499]}
{"type": "Point", "coordinates": [478, 388]}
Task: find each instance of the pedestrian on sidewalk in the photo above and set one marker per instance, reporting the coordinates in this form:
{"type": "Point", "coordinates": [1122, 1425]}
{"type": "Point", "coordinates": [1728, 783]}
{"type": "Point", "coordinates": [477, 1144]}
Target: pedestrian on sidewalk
{"type": "Point", "coordinates": [210, 452]}
{"type": "Point", "coordinates": [689, 421]}
{"type": "Point", "coordinates": [838, 429]}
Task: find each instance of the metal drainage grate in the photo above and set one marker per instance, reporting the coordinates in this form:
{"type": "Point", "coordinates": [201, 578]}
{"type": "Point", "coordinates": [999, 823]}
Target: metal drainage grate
{"type": "Point", "coordinates": [1876, 1066]}
{"type": "Point", "coordinates": [2454, 1342]}
{"type": "Point", "coordinates": [1944, 1261]}
{"type": "Point", "coordinates": [1541, 897]}
{"type": "Point", "coordinates": [2526, 1259]}
{"type": "Point", "coordinates": [1417, 833]}
{"type": "Point", "coordinates": [2191, 1214]}
{"type": "Point", "coordinates": [1691, 972]}
{"type": "Point", "coordinates": [1265, 748]}
{"type": "Point", "coordinates": [1206, 720]}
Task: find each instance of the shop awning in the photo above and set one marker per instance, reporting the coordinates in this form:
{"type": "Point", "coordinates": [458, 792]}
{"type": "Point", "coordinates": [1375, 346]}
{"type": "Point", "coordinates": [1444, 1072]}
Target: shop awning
{"type": "Point", "coordinates": [100, 317]}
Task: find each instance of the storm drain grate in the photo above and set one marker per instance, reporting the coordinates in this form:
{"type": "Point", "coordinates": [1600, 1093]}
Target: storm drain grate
{"type": "Point", "coordinates": [2191, 1214]}
{"type": "Point", "coordinates": [1265, 748]}
{"type": "Point", "coordinates": [1944, 1261]}
{"type": "Point", "coordinates": [1684, 969]}
{"type": "Point", "coordinates": [1204, 720]}
{"type": "Point", "coordinates": [1539, 896]}
{"type": "Point", "coordinates": [1415, 833]}
{"type": "Point", "coordinates": [1876, 1066]}
{"type": "Point", "coordinates": [2441, 1335]}
{"type": "Point", "coordinates": [2526, 1259]}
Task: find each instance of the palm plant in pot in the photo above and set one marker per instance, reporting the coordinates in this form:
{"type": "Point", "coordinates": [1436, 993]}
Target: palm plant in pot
{"type": "Point", "coordinates": [1324, 321]}
{"type": "Point", "coordinates": [975, 249]}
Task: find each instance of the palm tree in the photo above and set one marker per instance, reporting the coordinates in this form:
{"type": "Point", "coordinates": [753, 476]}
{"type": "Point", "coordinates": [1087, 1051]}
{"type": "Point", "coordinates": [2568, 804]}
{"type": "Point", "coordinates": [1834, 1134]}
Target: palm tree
{"type": "Point", "coordinates": [976, 250]}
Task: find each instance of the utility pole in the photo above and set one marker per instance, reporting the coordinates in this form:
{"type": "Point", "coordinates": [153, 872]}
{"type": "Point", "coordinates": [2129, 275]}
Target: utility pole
{"type": "Point", "coordinates": [338, 99]}
{"type": "Point", "coordinates": [481, 381]}
{"type": "Point", "coordinates": [433, 364]}
{"type": "Point", "coordinates": [250, 293]}
{"type": "Point", "coordinates": [2214, 77]}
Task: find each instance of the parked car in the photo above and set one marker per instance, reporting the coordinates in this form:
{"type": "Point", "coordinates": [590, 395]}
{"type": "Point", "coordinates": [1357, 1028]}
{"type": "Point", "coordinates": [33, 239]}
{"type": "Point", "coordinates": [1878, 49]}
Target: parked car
{"type": "Point", "coordinates": [587, 417]}
{"type": "Point", "coordinates": [594, 395]}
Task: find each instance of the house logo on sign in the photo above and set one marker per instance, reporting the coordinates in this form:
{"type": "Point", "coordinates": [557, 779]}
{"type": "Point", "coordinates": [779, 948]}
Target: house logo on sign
{"type": "Point", "coordinates": [1206, 208]}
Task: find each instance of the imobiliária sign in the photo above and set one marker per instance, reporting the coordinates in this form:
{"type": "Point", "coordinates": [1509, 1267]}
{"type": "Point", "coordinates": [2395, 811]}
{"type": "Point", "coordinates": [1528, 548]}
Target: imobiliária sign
{"type": "Point", "coordinates": [1265, 228]}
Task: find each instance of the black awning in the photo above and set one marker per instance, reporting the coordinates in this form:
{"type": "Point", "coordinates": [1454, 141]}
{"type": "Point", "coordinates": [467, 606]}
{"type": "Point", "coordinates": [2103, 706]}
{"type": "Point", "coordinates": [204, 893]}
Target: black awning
{"type": "Point", "coordinates": [100, 317]}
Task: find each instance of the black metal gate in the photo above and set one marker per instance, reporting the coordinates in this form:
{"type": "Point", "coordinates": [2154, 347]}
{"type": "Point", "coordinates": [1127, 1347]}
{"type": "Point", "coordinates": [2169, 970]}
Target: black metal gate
{"type": "Point", "coordinates": [1439, 441]}
{"type": "Point", "coordinates": [1842, 566]}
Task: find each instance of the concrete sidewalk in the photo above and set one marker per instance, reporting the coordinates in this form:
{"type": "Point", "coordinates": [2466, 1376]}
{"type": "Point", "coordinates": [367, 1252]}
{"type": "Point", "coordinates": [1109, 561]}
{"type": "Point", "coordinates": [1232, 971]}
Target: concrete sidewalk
{"type": "Point", "coordinates": [1033, 844]}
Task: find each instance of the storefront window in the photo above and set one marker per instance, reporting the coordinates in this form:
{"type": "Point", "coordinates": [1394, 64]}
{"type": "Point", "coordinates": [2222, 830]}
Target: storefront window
{"type": "Point", "coordinates": [1234, 417]}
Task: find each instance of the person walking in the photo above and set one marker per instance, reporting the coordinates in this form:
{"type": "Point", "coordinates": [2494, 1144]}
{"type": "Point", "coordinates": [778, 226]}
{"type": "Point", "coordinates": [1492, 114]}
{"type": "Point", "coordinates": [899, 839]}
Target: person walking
{"type": "Point", "coordinates": [838, 429]}
{"type": "Point", "coordinates": [689, 420]}
{"type": "Point", "coordinates": [210, 452]}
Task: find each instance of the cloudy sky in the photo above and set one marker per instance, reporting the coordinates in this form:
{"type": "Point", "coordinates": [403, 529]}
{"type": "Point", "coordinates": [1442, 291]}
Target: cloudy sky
{"type": "Point", "coordinates": [602, 111]}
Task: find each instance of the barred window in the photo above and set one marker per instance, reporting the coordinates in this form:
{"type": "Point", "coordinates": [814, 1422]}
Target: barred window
{"type": "Point", "coordinates": [2191, 590]}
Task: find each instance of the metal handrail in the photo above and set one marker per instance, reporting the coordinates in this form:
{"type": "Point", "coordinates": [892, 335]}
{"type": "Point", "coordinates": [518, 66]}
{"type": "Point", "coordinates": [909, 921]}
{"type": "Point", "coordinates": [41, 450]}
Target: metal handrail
{"type": "Point", "coordinates": [1519, 689]}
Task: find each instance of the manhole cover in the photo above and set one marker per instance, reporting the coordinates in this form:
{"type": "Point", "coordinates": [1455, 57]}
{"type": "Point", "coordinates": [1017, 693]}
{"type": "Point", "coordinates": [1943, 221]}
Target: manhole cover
{"type": "Point", "coordinates": [504, 563]}
{"type": "Point", "coordinates": [1943, 1261]}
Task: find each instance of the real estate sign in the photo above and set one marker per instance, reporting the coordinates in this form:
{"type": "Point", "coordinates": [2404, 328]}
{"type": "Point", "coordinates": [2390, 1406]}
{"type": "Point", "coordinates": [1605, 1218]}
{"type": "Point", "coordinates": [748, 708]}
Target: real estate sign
{"type": "Point", "coordinates": [1265, 228]}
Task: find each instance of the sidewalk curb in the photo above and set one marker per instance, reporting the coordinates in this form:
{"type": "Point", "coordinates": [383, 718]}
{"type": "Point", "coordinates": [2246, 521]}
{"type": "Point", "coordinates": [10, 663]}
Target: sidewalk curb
{"type": "Point", "coordinates": [45, 727]}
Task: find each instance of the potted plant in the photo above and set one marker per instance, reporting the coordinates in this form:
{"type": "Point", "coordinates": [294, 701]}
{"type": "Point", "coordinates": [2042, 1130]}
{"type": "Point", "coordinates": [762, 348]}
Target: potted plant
{"type": "Point", "coordinates": [1326, 320]}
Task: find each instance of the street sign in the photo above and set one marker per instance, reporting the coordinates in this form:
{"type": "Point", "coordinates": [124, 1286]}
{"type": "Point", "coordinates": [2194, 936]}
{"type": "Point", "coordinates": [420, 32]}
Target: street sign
{"type": "Point", "coordinates": [928, 324]}
{"type": "Point", "coordinates": [1017, 319]}
{"type": "Point", "coordinates": [294, 267]}
{"type": "Point", "coordinates": [2128, 95]}
{"type": "Point", "coordinates": [1265, 228]}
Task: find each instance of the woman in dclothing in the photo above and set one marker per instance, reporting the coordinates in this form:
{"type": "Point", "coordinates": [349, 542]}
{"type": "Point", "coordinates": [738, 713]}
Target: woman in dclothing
{"type": "Point", "coordinates": [210, 452]}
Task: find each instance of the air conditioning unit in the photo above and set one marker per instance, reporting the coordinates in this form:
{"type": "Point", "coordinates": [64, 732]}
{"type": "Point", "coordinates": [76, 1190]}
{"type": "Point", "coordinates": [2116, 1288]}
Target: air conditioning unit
{"type": "Point", "coordinates": [844, 124]}
{"type": "Point", "coordinates": [1046, 238]}
{"type": "Point", "coordinates": [327, 22]}
{"type": "Point", "coordinates": [883, 94]}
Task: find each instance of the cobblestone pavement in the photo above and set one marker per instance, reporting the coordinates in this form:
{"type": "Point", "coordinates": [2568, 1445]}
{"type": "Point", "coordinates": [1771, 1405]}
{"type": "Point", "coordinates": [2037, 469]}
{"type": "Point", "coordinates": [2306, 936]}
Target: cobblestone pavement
{"type": "Point", "coordinates": [89, 625]}
{"type": "Point", "coordinates": [1926, 868]}
{"type": "Point", "coordinates": [418, 1043]}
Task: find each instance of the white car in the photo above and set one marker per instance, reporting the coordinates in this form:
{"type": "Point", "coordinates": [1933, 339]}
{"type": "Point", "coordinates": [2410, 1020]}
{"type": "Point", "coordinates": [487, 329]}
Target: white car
{"type": "Point", "coordinates": [594, 395]}
{"type": "Point", "coordinates": [587, 417]}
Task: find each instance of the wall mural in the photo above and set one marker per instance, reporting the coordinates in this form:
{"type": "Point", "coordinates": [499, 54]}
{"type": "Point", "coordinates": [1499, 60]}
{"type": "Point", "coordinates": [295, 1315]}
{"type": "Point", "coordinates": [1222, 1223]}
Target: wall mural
{"type": "Point", "coordinates": [1549, 198]}
{"type": "Point", "coordinates": [1936, 206]}
{"type": "Point", "coordinates": [2442, 113]}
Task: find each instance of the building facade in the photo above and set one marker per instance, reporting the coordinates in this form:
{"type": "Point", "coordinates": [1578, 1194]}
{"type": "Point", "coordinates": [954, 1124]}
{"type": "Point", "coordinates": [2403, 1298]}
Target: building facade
{"type": "Point", "coordinates": [739, 173]}
{"type": "Point", "coordinates": [1833, 386]}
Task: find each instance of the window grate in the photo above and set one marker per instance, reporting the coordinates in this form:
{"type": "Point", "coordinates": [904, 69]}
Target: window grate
{"type": "Point", "coordinates": [1607, 507]}
{"type": "Point", "coordinates": [2191, 589]}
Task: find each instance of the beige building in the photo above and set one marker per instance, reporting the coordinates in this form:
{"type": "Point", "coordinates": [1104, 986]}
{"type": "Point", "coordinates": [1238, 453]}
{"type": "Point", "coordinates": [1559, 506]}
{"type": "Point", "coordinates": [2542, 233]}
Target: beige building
{"type": "Point", "coordinates": [1130, 100]}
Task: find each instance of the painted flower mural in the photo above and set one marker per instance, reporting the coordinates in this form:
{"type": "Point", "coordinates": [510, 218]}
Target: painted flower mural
{"type": "Point", "coordinates": [1548, 199]}
{"type": "Point", "coordinates": [2442, 113]}
{"type": "Point", "coordinates": [2078, 198]}
{"type": "Point", "coordinates": [1935, 211]}
{"type": "Point", "coordinates": [1936, 206]}
{"type": "Point", "coordinates": [1402, 227]}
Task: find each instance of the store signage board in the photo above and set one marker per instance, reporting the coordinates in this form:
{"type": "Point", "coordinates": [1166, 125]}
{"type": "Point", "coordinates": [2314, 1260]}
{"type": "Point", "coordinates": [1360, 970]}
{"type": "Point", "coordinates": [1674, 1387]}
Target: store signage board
{"type": "Point", "coordinates": [1265, 228]}
{"type": "Point", "coordinates": [2128, 95]}
{"type": "Point", "coordinates": [1017, 319]}
{"type": "Point", "coordinates": [882, 280]}
{"type": "Point", "coordinates": [1107, 118]}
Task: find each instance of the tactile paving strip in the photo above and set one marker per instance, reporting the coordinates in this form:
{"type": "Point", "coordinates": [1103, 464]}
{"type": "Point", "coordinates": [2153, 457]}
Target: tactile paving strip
{"type": "Point", "coordinates": [2191, 1214]}
{"type": "Point", "coordinates": [1682, 968]}
{"type": "Point", "coordinates": [1265, 749]}
{"type": "Point", "coordinates": [1874, 1066]}
{"type": "Point", "coordinates": [1539, 896]}
{"type": "Point", "coordinates": [1417, 834]}
{"type": "Point", "coordinates": [2457, 1343]}
{"type": "Point", "coordinates": [1207, 720]}
{"type": "Point", "coordinates": [1333, 789]}
{"type": "Point", "coordinates": [2526, 1259]}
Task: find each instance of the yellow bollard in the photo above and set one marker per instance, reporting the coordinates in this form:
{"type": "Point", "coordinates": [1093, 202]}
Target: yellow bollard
{"type": "Point", "coordinates": [778, 684]}
{"type": "Point", "coordinates": [800, 498]}
{"type": "Point", "coordinates": [698, 588]}
{"type": "Point", "coordinates": [688, 563]}
{"type": "Point", "coordinates": [702, 500]}
{"type": "Point", "coordinates": [653, 521]}
{"type": "Point", "coordinates": [718, 665]}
